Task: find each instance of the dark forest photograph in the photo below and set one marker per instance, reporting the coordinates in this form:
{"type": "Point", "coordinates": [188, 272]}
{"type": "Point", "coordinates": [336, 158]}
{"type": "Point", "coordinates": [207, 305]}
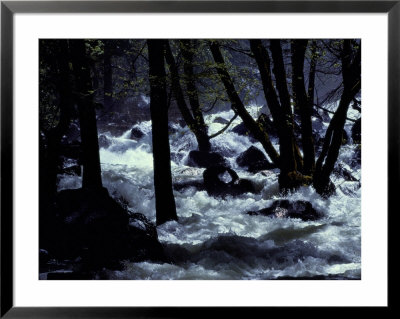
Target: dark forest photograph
{"type": "Point", "coordinates": [199, 159]}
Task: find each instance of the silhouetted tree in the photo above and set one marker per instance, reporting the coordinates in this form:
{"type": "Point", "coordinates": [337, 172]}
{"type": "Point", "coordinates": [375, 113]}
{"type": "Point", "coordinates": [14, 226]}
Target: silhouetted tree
{"type": "Point", "coordinates": [87, 115]}
{"type": "Point", "coordinates": [165, 202]}
{"type": "Point", "coordinates": [194, 119]}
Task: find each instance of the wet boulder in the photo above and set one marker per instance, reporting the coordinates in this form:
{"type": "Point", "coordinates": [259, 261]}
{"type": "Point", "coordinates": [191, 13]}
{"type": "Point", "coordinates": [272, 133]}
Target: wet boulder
{"type": "Point", "coordinates": [254, 159]}
{"type": "Point", "coordinates": [222, 181]}
{"type": "Point", "coordinates": [136, 133]}
{"type": "Point", "coordinates": [263, 120]}
{"type": "Point", "coordinates": [356, 132]}
{"type": "Point", "coordinates": [241, 129]}
{"type": "Point", "coordinates": [205, 159]}
{"type": "Point", "coordinates": [220, 120]}
{"type": "Point", "coordinates": [91, 227]}
{"type": "Point", "coordinates": [290, 209]}
{"type": "Point", "coordinates": [104, 141]}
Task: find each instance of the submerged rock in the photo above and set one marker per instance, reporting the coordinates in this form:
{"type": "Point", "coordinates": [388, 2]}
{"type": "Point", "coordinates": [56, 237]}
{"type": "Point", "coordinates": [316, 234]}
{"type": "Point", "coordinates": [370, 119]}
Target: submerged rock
{"type": "Point", "coordinates": [91, 227]}
{"type": "Point", "coordinates": [289, 209]}
{"type": "Point", "coordinates": [221, 181]}
{"type": "Point", "coordinates": [205, 159]}
{"type": "Point", "coordinates": [254, 159]}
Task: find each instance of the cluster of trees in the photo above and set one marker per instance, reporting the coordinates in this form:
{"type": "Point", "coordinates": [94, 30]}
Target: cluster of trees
{"type": "Point", "coordinates": [81, 78]}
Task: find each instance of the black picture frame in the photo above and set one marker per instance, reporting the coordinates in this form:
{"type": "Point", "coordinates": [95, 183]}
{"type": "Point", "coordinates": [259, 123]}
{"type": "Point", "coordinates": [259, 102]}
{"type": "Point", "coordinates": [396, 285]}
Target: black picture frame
{"type": "Point", "coordinates": [9, 8]}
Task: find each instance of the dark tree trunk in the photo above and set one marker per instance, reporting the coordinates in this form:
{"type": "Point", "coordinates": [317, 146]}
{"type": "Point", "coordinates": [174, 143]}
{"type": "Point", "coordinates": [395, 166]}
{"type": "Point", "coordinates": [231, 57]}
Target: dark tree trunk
{"type": "Point", "coordinates": [108, 87]}
{"type": "Point", "coordinates": [187, 48]}
{"type": "Point", "coordinates": [302, 103]}
{"type": "Point", "coordinates": [256, 130]}
{"type": "Point", "coordinates": [51, 153]}
{"type": "Point", "coordinates": [165, 202]}
{"type": "Point", "coordinates": [195, 122]}
{"type": "Point", "coordinates": [291, 160]}
{"type": "Point", "coordinates": [87, 116]}
{"type": "Point", "coordinates": [351, 71]}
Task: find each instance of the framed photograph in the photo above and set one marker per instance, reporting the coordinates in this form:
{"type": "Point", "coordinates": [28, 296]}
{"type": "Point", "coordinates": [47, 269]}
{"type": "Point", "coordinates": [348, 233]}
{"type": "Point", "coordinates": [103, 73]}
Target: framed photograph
{"type": "Point", "coordinates": [160, 158]}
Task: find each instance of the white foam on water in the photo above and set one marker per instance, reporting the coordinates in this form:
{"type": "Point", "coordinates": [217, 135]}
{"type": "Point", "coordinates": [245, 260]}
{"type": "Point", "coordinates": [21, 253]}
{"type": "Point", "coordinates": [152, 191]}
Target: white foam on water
{"type": "Point", "coordinates": [214, 238]}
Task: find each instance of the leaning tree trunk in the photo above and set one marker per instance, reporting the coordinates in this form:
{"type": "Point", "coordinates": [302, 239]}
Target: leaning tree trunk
{"type": "Point", "coordinates": [351, 71]}
{"type": "Point", "coordinates": [187, 48]}
{"type": "Point", "coordinates": [195, 122]}
{"type": "Point", "coordinates": [165, 202]}
{"type": "Point", "coordinates": [87, 116]}
{"type": "Point", "coordinates": [255, 129]}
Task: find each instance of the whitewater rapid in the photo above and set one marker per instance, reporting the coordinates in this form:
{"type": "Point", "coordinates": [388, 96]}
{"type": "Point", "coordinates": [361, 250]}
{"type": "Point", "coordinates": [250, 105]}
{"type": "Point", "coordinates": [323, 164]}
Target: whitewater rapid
{"type": "Point", "coordinates": [214, 238]}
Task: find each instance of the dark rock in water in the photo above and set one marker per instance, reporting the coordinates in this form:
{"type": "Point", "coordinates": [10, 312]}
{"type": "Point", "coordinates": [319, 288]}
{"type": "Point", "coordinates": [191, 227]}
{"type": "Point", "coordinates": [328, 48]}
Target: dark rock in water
{"type": "Point", "coordinates": [254, 159]}
{"type": "Point", "coordinates": [104, 142]}
{"type": "Point", "coordinates": [356, 132]}
{"type": "Point", "coordinates": [205, 159]}
{"type": "Point", "coordinates": [222, 180]}
{"type": "Point", "coordinates": [115, 129]}
{"type": "Point", "coordinates": [262, 120]}
{"type": "Point", "coordinates": [90, 226]}
{"type": "Point", "coordinates": [220, 120]}
{"type": "Point", "coordinates": [136, 133]}
{"type": "Point", "coordinates": [241, 129]}
{"type": "Point", "coordinates": [184, 185]}
{"type": "Point", "coordinates": [290, 209]}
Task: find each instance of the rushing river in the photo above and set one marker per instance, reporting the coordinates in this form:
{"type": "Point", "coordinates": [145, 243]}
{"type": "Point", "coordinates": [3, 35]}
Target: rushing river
{"type": "Point", "coordinates": [214, 238]}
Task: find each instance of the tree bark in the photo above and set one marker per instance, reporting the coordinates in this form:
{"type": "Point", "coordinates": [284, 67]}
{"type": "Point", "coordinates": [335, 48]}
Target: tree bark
{"type": "Point", "coordinates": [258, 131]}
{"type": "Point", "coordinates": [51, 153]}
{"type": "Point", "coordinates": [291, 160]}
{"type": "Point", "coordinates": [108, 87]}
{"type": "Point", "coordinates": [195, 122]}
{"type": "Point", "coordinates": [187, 48]}
{"type": "Point", "coordinates": [165, 202]}
{"type": "Point", "coordinates": [302, 103]}
{"type": "Point", "coordinates": [87, 116]}
{"type": "Point", "coordinates": [351, 71]}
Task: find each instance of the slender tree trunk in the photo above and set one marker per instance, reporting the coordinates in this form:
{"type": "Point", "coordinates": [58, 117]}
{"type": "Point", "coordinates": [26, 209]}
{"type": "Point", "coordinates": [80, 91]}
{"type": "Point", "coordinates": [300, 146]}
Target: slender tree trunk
{"type": "Point", "coordinates": [87, 116]}
{"type": "Point", "coordinates": [291, 160]}
{"type": "Point", "coordinates": [303, 105]}
{"type": "Point", "coordinates": [195, 123]}
{"type": "Point", "coordinates": [165, 202]}
{"type": "Point", "coordinates": [288, 145]}
{"type": "Point", "coordinates": [187, 48]}
{"type": "Point", "coordinates": [108, 87]}
{"type": "Point", "coordinates": [52, 152]}
{"type": "Point", "coordinates": [258, 131]}
{"type": "Point", "coordinates": [351, 71]}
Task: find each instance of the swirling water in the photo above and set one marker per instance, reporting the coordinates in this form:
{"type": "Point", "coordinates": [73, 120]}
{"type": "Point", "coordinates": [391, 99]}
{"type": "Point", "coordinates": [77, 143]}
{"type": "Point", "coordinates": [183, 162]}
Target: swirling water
{"type": "Point", "coordinates": [214, 238]}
